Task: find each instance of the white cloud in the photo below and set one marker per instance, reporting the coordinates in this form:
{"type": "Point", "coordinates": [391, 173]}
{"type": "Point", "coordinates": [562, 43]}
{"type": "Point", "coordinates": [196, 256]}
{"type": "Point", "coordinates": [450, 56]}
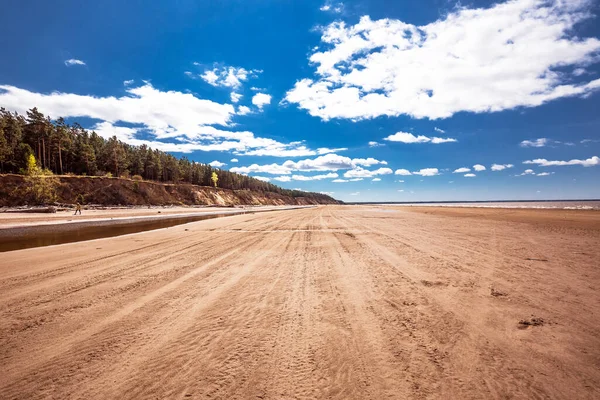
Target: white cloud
{"type": "Point", "coordinates": [227, 76]}
{"type": "Point", "coordinates": [360, 172]}
{"type": "Point", "coordinates": [427, 172]}
{"type": "Point", "coordinates": [283, 178]}
{"type": "Point", "coordinates": [527, 172]}
{"type": "Point", "coordinates": [355, 179]}
{"type": "Point", "coordinates": [541, 142]}
{"type": "Point", "coordinates": [128, 82]}
{"type": "Point", "coordinates": [590, 162]}
{"type": "Point", "coordinates": [327, 162]}
{"type": "Point", "coordinates": [339, 180]}
{"type": "Point", "coordinates": [479, 167]}
{"type": "Point", "coordinates": [473, 60]}
{"type": "Point", "coordinates": [500, 167]}
{"type": "Point", "coordinates": [470, 175]}
{"type": "Point", "coordinates": [234, 160]}
{"type": "Point", "coordinates": [73, 61]}
{"type": "Point", "coordinates": [400, 181]}
{"type": "Point", "coordinates": [331, 162]}
{"type": "Point", "coordinates": [461, 170]}
{"type": "Point", "coordinates": [406, 137]}
{"type": "Point", "coordinates": [155, 114]}
{"type": "Point", "coordinates": [375, 144]}
{"type": "Point", "coordinates": [314, 177]}
{"type": "Point", "coordinates": [355, 194]}
{"type": "Point", "coordinates": [262, 178]}
{"type": "Point", "coordinates": [217, 164]}
{"type": "Point", "coordinates": [261, 99]}
{"type": "Point", "coordinates": [544, 174]}
{"type": "Point", "coordinates": [243, 110]}
{"type": "Point", "coordinates": [332, 7]}
{"type": "Point", "coordinates": [235, 97]}
{"type": "Point", "coordinates": [439, 130]}
{"type": "Point", "coordinates": [401, 190]}
{"type": "Point", "coordinates": [579, 71]}
{"type": "Point", "coordinates": [376, 179]}
{"type": "Point", "coordinates": [325, 150]}
{"type": "Point", "coordinates": [402, 171]}
{"type": "Point", "coordinates": [273, 169]}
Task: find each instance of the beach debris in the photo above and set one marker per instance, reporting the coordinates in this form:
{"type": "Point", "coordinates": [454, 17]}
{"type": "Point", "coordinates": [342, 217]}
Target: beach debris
{"type": "Point", "coordinates": [497, 293]}
{"type": "Point", "coordinates": [536, 259]}
{"type": "Point", "coordinates": [533, 321]}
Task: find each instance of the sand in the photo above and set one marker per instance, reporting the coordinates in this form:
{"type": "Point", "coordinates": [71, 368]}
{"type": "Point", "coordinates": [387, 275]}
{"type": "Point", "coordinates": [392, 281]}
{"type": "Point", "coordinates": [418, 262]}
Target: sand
{"type": "Point", "coordinates": [335, 302]}
{"type": "Point", "coordinates": [9, 220]}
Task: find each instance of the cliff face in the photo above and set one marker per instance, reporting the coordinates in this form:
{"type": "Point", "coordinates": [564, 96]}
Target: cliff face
{"type": "Point", "coordinates": [117, 191]}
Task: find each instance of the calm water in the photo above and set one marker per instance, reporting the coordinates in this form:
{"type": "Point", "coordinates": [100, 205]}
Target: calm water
{"type": "Point", "coordinates": [564, 205]}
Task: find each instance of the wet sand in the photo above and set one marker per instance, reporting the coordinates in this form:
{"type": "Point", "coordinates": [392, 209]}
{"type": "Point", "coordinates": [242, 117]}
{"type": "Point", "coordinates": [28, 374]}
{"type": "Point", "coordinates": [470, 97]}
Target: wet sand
{"type": "Point", "coordinates": [336, 302]}
{"type": "Point", "coordinates": [13, 219]}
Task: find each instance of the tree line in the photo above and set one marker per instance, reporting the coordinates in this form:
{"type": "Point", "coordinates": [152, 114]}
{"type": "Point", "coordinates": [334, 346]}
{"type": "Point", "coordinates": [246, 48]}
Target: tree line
{"type": "Point", "coordinates": [70, 149]}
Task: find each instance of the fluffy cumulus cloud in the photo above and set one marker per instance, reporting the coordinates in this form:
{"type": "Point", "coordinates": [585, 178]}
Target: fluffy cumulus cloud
{"type": "Point", "coordinates": [422, 172]}
{"type": "Point", "coordinates": [470, 175]}
{"type": "Point", "coordinates": [359, 172]}
{"type": "Point", "coordinates": [273, 169]}
{"type": "Point", "coordinates": [527, 172]}
{"type": "Point", "coordinates": [519, 53]}
{"type": "Point", "coordinates": [262, 178]}
{"type": "Point", "coordinates": [217, 164]}
{"type": "Point", "coordinates": [501, 167]}
{"type": "Point", "coordinates": [376, 179]}
{"type": "Point", "coordinates": [461, 170]}
{"type": "Point", "coordinates": [406, 137]}
{"type": "Point", "coordinates": [235, 97]}
{"type": "Point", "coordinates": [375, 144]}
{"type": "Point", "coordinates": [427, 172]}
{"type": "Point", "coordinates": [234, 160]}
{"type": "Point", "coordinates": [541, 142]}
{"type": "Point", "coordinates": [261, 99]}
{"type": "Point", "coordinates": [73, 61]}
{"type": "Point", "coordinates": [226, 76]}
{"type": "Point", "coordinates": [243, 110]}
{"type": "Point", "coordinates": [330, 175]}
{"type": "Point", "coordinates": [332, 162]}
{"type": "Point", "coordinates": [165, 120]}
{"type": "Point", "coordinates": [479, 167]}
{"type": "Point", "coordinates": [328, 162]}
{"type": "Point", "coordinates": [590, 162]}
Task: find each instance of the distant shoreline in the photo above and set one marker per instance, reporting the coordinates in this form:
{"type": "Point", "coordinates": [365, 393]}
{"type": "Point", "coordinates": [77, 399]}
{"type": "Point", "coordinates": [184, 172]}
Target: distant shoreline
{"type": "Point", "coordinates": [470, 201]}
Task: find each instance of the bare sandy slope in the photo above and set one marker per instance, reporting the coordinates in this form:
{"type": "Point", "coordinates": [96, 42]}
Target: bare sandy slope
{"type": "Point", "coordinates": [325, 303]}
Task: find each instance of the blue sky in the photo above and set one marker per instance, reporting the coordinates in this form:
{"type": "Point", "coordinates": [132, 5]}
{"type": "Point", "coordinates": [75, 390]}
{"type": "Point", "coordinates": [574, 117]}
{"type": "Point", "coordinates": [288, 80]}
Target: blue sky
{"type": "Point", "coordinates": [367, 100]}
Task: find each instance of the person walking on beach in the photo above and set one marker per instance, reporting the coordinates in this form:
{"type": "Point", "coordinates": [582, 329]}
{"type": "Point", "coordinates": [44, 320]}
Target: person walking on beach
{"type": "Point", "coordinates": [77, 208]}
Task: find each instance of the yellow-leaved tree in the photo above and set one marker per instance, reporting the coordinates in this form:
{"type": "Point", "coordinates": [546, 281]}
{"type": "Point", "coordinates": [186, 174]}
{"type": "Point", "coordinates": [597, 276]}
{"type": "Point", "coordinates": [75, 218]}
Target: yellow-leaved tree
{"type": "Point", "coordinates": [40, 184]}
{"type": "Point", "coordinates": [214, 178]}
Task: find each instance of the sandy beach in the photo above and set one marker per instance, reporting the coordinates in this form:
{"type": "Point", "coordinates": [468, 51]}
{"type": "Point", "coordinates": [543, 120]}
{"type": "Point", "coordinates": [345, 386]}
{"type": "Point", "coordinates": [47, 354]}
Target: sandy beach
{"type": "Point", "coordinates": [9, 220]}
{"type": "Point", "coordinates": [331, 302]}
